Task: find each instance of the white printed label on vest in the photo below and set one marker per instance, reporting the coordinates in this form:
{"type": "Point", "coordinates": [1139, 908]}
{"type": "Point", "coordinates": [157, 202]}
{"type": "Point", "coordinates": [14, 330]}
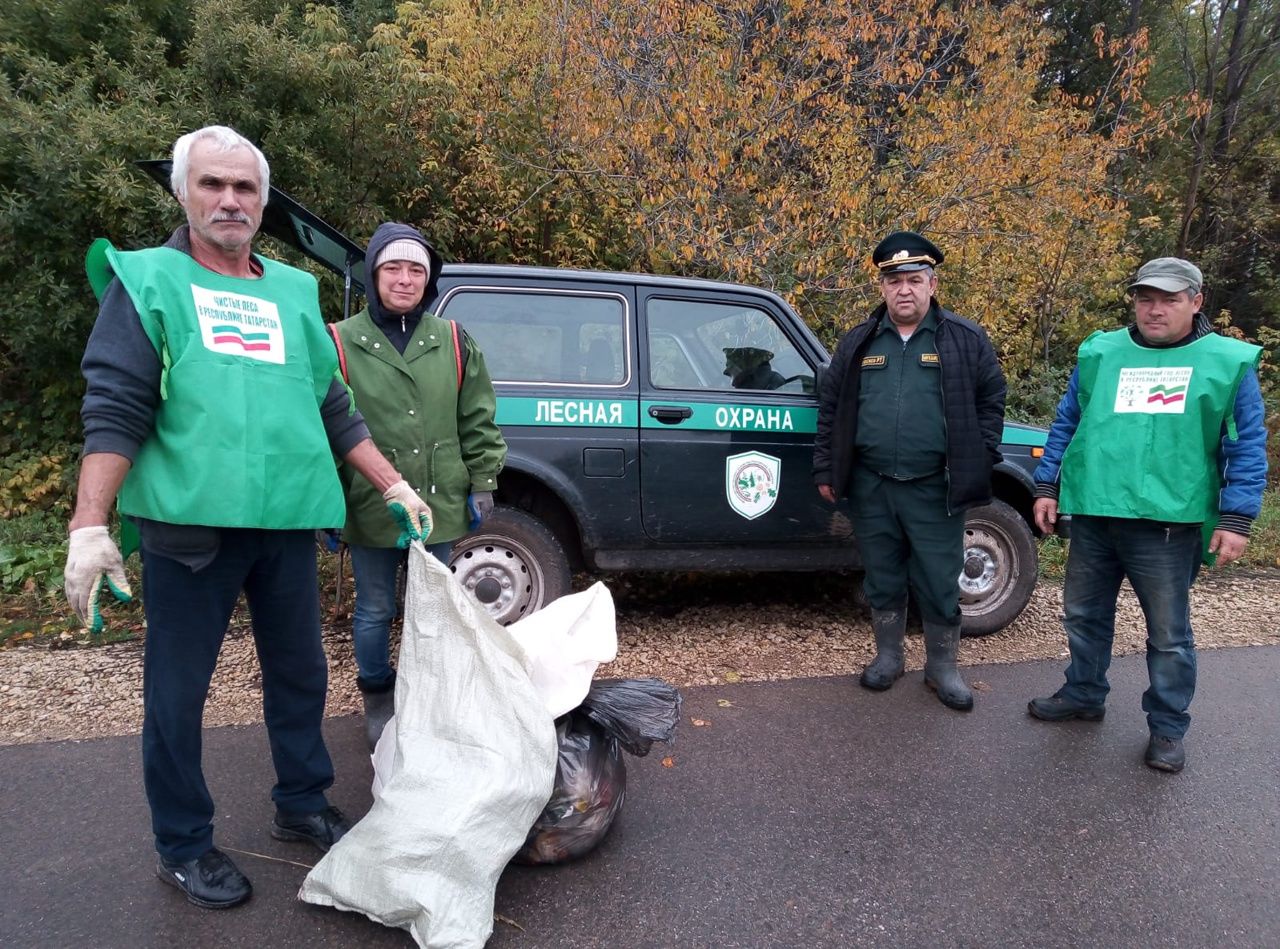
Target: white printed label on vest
{"type": "Point", "coordinates": [239, 325]}
{"type": "Point", "coordinates": [1158, 391]}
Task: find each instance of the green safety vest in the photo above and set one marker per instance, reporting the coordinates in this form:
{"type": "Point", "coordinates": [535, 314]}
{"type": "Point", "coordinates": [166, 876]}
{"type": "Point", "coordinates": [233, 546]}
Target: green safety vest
{"type": "Point", "coordinates": [246, 364]}
{"type": "Point", "coordinates": [1151, 420]}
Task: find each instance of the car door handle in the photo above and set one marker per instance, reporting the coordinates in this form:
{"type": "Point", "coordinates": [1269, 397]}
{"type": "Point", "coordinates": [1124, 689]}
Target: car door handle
{"type": "Point", "coordinates": [670, 414]}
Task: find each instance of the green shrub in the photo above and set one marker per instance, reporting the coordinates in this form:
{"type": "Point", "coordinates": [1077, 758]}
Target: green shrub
{"type": "Point", "coordinates": [1034, 396]}
{"type": "Point", "coordinates": [33, 548]}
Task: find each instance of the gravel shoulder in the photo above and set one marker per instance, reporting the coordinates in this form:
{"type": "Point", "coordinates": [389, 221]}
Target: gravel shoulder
{"type": "Point", "coordinates": [687, 630]}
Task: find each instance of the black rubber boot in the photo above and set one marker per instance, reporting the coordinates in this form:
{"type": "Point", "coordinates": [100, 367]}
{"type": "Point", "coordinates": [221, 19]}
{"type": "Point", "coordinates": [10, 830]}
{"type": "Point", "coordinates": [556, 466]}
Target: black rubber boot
{"type": "Point", "coordinates": [942, 644]}
{"type": "Point", "coordinates": [379, 706]}
{"type": "Point", "coordinates": [887, 667]}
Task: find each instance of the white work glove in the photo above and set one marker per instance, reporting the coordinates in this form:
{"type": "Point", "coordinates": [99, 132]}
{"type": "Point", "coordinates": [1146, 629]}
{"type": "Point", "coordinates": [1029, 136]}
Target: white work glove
{"type": "Point", "coordinates": [92, 556]}
{"type": "Point", "coordinates": [410, 511]}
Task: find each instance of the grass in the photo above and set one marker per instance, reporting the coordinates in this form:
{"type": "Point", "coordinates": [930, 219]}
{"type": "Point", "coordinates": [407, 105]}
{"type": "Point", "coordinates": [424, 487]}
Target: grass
{"type": "Point", "coordinates": [1264, 542]}
{"type": "Point", "coordinates": [1053, 558]}
{"type": "Point", "coordinates": [33, 549]}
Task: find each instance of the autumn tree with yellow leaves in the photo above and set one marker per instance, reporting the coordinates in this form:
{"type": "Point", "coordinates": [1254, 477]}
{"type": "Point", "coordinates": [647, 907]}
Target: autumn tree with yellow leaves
{"type": "Point", "coordinates": [774, 143]}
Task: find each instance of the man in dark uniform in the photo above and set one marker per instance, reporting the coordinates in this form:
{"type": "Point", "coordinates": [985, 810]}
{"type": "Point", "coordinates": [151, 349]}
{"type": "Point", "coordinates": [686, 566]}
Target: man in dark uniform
{"type": "Point", "coordinates": [910, 416]}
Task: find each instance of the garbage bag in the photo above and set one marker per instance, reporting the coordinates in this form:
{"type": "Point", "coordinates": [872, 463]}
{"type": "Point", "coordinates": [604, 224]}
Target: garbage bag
{"type": "Point", "coordinates": [566, 640]}
{"type": "Point", "coordinates": [473, 766]}
{"type": "Point", "coordinates": [591, 783]}
{"type": "Point", "coordinates": [591, 776]}
{"type": "Point", "coordinates": [637, 712]}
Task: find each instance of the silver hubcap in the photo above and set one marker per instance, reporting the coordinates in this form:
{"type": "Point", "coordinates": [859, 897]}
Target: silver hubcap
{"type": "Point", "coordinates": [983, 580]}
{"type": "Point", "coordinates": [503, 577]}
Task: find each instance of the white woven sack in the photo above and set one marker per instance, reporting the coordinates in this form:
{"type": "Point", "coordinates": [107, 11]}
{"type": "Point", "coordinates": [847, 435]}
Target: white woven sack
{"type": "Point", "coordinates": [565, 641]}
{"type": "Point", "coordinates": [474, 764]}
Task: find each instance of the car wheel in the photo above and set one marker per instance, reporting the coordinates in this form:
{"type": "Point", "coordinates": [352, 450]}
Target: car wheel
{"type": "Point", "coordinates": [1000, 568]}
{"type": "Point", "coordinates": [513, 564]}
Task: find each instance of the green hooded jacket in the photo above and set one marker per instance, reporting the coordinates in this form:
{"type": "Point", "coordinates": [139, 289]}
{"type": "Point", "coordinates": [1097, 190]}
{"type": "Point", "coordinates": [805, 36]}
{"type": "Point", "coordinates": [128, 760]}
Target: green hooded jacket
{"type": "Point", "coordinates": [441, 437]}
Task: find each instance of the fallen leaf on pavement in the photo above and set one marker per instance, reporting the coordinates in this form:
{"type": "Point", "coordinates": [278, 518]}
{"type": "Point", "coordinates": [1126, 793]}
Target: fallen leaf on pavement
{"type": "Point", "coordinates": [732, 676]}
{"type": "Point", "coordinates": [980, 686]}
{"type": "Point", "coordinates": [668, 762]}
{"type": "Point", "coordinates": [724, 703]}
{"type": "Point", "coordinates": [498, 917]}
{"type": "Point", "coordinates": [699, 722]}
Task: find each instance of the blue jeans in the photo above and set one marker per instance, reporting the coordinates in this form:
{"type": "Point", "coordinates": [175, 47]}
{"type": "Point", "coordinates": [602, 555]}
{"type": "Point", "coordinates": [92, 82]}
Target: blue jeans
{"type": "Point", "coordinates": [187, 615]}
{"type": "Point", "coordinates": [1161, 562]}
{"type": "Point", "coordinates": [375, 570]}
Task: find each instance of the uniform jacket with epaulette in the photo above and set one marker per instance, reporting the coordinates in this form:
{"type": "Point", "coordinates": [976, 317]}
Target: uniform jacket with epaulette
{"type": "Point", "coordinates": [973, 392]}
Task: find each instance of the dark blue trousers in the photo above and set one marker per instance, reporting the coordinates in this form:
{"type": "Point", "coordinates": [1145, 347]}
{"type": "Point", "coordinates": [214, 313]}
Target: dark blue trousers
{"type": "Point", "coordinates": [187, 615]}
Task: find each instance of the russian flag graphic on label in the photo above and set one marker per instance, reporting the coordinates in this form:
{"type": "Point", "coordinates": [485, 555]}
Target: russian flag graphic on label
{"type": "Point", "coordinates": [1161, 391]}
{"type": "Point", "coordinates": [239, 325]}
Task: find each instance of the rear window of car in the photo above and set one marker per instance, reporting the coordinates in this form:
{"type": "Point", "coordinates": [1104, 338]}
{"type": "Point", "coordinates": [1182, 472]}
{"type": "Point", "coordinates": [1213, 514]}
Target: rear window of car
{"type": "Point", "coordinates": [545, 336]}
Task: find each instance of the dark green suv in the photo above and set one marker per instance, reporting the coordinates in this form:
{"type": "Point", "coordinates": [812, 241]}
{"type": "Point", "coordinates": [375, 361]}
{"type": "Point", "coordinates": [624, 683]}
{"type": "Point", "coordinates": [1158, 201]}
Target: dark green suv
{"type": "Point", "coordinates": [662, 423]}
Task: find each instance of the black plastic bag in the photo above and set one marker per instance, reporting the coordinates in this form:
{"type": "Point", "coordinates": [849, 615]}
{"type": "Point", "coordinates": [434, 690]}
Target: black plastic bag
{"type": "Point", "coordinates": [591, 778]}
{"type": "Point", "coordinates": [591, 782]}
{"type": "Point", "coordinates": [637, 712]}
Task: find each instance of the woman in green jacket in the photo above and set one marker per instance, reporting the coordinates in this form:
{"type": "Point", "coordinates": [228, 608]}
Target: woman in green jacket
{"type": "Point", "coordinates": [422, 386]}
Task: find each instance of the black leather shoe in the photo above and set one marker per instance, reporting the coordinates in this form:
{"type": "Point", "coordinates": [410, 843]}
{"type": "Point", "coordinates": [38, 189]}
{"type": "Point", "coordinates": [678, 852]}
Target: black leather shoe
{"type": "Point", "coordinates": [210, 880]}
{"type": "Point", "coordinates": [1057, 708]}
{"type": "Point", "coordinates": [1165, 754]}
{"type": "Point", "coordinates": [323, 828]}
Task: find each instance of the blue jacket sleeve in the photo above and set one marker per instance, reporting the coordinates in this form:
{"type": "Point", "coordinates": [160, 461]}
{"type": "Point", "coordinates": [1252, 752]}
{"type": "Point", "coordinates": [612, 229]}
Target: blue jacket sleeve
{"type": "Point", "coordinates": [1243, 459]}
{"type": "Point", "coordinates": [1065, 423]}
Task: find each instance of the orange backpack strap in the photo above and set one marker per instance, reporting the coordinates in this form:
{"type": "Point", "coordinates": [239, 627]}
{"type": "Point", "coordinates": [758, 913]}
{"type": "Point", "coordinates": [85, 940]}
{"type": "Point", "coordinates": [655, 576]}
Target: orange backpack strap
{"type": "Point", "coordinates": [457, 351]}
{"type": "Point", "coordinates": [342, 356]}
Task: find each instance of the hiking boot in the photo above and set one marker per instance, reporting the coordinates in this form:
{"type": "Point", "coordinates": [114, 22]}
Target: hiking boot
{"type": "Point", "coordinates": [1059, 708]}
{"type": "Point", "coordinates": [942, 645]}
{"type": "Point", "coordinates": [889, 626]}
{"type": "Point", "coordinates": [211, 880]}
{"type": "Point", "coordinates": [1165, 754]}
{"type": "Point", "coordinates": [323, 828]}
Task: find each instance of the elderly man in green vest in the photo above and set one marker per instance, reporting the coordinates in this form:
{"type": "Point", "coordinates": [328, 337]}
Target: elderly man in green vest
{"type": "Point", "coordinates": [1158, 452]}
{"type": "Point", "coordinates": [212, 415]}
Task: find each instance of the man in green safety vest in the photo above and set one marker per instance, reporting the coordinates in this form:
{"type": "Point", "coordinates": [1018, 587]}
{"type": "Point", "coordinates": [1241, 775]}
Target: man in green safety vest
{"type": "Point", "coordinates": [212, 413]}
{"type": "Point", "coordinates": [1158, 452]}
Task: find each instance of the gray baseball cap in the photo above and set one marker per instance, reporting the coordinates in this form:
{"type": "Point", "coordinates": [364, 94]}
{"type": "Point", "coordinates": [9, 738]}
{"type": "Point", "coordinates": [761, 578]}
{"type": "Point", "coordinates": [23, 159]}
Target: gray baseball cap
{"type": "Point", "coordinates": [1170, 274]}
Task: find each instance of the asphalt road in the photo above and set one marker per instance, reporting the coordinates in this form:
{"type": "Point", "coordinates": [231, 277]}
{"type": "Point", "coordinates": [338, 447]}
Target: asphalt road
{"type": "Point", "coordinates": [808, 813]}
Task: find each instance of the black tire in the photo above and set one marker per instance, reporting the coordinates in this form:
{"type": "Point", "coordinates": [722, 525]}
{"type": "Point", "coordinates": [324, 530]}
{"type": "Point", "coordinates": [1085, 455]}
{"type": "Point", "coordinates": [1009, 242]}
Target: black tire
{"type": "Point", "coordinates": [1000, 568]}
{"type": "Point", "coordinates": [513, 564]}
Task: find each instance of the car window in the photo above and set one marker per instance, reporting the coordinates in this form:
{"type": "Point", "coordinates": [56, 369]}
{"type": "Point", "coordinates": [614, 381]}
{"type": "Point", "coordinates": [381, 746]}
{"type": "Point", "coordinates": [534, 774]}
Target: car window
{"type": "Point", "coordinates": [545, 336]}
{"type": "Point", "coordinates": [695, 344]}
{"type": "Point", "coordinates": [671, 363]}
